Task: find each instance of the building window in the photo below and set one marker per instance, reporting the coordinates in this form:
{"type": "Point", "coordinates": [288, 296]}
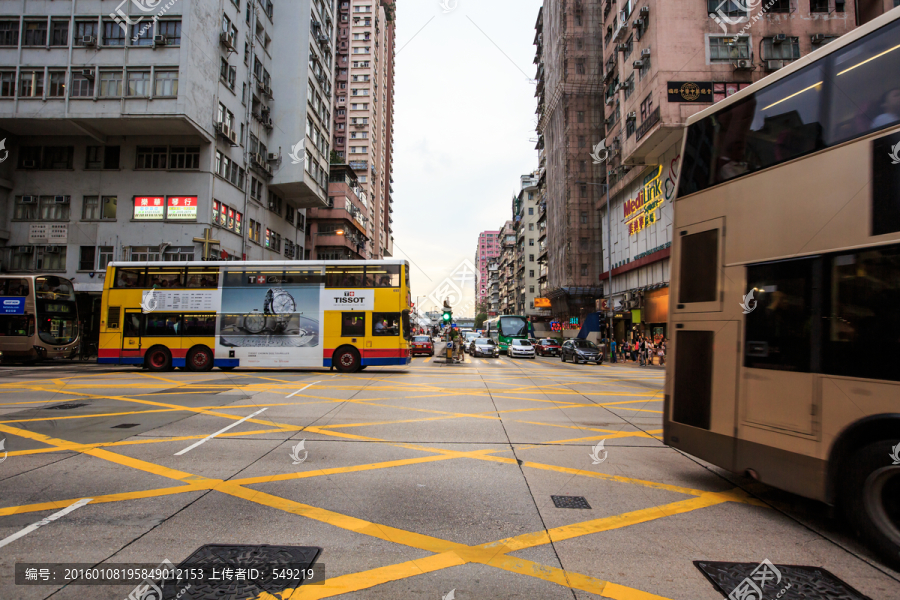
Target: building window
{"type": "Point", "coordinates": [184, 157]}
{"type": "Point", "coordinates": [7, 84]}
{"type": "Point", "coordinates": [60, 33]}
{"type": "Point", "coordinates": [87, 258]}
{"type": "Point", "coordinates": [82, 87]}
{"type": "Point", "coordinates": [172, 31]}
{"type": "Point", "coordinates": [9, 32]}
{"type": "Point", "coordinates": [531, 227]}
{"type": "Point", "coordinates": [110, 84]}
{"type": "Point", "coordinates": [95, 208]}
{"type": "Point", "coordinates": [26, 208]}
{"type": "Point", "coordinates": [731, 8]}
{"type": "Point", "coordinates": [102, 157]}
{"type": "Point", "coordinates": [138, 83]}
{"type": "Point", "coordinates": [727, 49]}
{"type": "Point", "coordinates": [84, 29]}
{"type": "Point", "coordinates": [35, 33]}
{"type": "Point", "coordinates": [166, 83]}
{"type": "Point", "coordinates": [31, 84]}
{"type": "Point", "coordinates": [51, 210]}
{"type": "Point", "coordinates": [113, 35]}
{"type": "Point", "coordinates": [646, 107]}
{"type": "Point", "coordinates": [531, 274]}
{"type": "Point", "coordinates": [818, 6]}
{"type": "Point", "coordinates": [531, 241]}
{"type": "Point", "coordinates": [106, 257]}
{"type": "Point", "coordinates": [57, 88]}
{"type": "Point", "coordinates": [51, 258]}
{"type": "Point", "coordinates": [531, 287]}
{"type": "Point", "coordinates": [787, 50]}
{"type": "Point", "coordinates": [151, 157]}
{"type": "Point", "coordinates": [141, 34]}
{"type": "Point", "coordinates": [780, 6]}
{"type": "Point", "coordinates": [584, 270]}
{"type": "Point", "coordinates": [46, 157]}
{"type": "Point", "coordinates": [629, 86]}
{"type": "Point", "coordinates": [531, 258]}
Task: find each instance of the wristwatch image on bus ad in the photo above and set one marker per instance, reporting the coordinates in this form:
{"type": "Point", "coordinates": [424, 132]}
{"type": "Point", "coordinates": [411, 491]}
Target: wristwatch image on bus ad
{"type": "Point", "coordinates": [269, 317]}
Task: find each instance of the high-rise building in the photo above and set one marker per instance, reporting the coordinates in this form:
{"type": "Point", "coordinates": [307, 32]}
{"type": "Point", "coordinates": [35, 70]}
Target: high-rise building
{"type": "Point", "coordinates": [338, 232]}
{"type": "Point", "coordinates": [570, 109]}
{"type": "Point", "coordinates": [486, 252]}
{"type": "Point", "coordinates": [364, 108]}
{"type": "Point", "coordinates": [656, 76]}
{"type": "Point", "coordinates": [199, 130]}
{"type": "Point", "coordinates": [507, 269]}
{"type": "Point", "coordinates": [526, 212]}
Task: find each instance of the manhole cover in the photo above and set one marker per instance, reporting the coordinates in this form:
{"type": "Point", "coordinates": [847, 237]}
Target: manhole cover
{"type": "Point", "coordinates": [125, 426]}
{"type": "Point", "coordinates": [289, 561]}
{"type": "Point", "coordinates": [570, 502]}
{"type": "Point", "coordinates": [67, 406]}
{"type": "Point", "coordinates": [786, 582]}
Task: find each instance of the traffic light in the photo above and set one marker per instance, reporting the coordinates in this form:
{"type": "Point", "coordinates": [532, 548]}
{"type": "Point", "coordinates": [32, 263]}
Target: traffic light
{"type": "Point", "coordinates": [447, 316]}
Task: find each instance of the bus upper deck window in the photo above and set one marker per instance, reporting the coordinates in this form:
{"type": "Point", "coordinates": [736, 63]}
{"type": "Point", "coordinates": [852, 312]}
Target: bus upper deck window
{"type": "Point", "coordinates": [202, 277]}
{"type": "Point", "coordinates": [129, 277]}
{"type": "Point", "coordinates": [386, 276]}
{"type": "Point", "coordinates": [165, 277]}
{"type": "Point", "coordinates": [13, 287]}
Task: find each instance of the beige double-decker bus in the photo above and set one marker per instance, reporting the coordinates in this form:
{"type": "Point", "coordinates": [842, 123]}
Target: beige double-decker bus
{"type": "Point", "coordinates": [785, 301]}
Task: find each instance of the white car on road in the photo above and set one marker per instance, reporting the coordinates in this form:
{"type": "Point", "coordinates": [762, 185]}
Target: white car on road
{"type": "Point", "coordinates": [521, 348]}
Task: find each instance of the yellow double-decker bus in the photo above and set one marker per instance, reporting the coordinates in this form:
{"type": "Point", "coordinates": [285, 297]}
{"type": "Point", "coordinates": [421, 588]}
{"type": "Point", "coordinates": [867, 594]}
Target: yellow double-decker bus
{"type": "Point", "coordinates": [785, 282]}
{"type": "Point", "coordinates": [196, 315]}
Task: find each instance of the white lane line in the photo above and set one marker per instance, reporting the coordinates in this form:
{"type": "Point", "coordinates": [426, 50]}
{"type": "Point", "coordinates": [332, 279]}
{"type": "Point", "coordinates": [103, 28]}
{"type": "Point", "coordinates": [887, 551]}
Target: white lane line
{"type": "Point", "coordinates": [45, 521]}
{"type": "Point", "coordinates": [209, 437]}
{"type": "Point", "coordinates": [301, 389]}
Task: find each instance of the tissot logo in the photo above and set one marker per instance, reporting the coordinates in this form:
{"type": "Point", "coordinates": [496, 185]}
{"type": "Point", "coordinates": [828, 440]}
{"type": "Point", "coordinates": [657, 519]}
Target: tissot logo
{"type": "Point", "coordinates": [349, 298]}
{"type": "Point", "coordinates": [349, 294]}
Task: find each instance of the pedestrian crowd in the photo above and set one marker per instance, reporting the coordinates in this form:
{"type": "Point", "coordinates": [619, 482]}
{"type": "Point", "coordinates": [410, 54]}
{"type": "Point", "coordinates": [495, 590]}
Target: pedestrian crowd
{"type": "Point", "coordinates": [641, 350]}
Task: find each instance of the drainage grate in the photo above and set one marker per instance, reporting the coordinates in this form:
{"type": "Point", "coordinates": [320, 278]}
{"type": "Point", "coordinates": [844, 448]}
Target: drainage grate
{"type": "Point", "coordinates": [806, 583]}
{"type": "Point", "coordinates": [125, 426]}
{"type": "Point", "coordinates": [287, 559]}
{"type": "Point", "coordinates": [570, 502]}
{"type": "Point", "coordinates": [67, 406]}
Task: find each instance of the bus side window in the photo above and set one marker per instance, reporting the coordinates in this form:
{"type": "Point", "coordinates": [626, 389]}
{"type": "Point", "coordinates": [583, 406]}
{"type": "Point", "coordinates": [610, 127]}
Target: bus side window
{"type": "Point", "coordinates": [353, 324]}
{"type": "Point", "coordinates": [384, 324]}
{"type": "Point", "coordinates": [202, 277]}
{"type": "Point", "coordinates": [129, 277]}
{"type": "Point", "coordinates": [386, 276]}
{"type": "Point", "coordinates": [161, 324]}
{"type": "Point", "coordinates": [132, 324]}
{"type": "Point", "coordinates": [165, 277]}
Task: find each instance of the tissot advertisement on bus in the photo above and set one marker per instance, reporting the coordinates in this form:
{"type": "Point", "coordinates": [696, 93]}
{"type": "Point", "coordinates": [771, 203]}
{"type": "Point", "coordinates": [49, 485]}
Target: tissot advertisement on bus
{"type": "Point", "coordinates": [269, 320]}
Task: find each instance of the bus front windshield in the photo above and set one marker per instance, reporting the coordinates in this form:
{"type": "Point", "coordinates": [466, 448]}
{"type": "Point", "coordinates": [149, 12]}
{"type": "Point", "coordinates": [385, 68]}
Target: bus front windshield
{"type": "Point", "coordinates": [513, 327]}
{"type": "Point", "coordinates": [57, 315]}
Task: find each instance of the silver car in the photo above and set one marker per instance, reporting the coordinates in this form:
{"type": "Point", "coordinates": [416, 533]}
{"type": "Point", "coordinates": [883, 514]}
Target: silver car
{"type": "Point", "coordinates": [520, 348]}
{"type": "Point", "coordinates": [484, 347]}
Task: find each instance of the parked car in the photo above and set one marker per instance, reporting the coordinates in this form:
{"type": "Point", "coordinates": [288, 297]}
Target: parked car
{"type": "Point", "coordinates": [484, 347]}
{"type": "Point", "coordinates": [546, 347]}
{"type": "Point", "coordinates": [519, 348]}
{"type": "Point", "coordinates": [581, 351]}
{"type": "Point", "coordinates": [422, 344]}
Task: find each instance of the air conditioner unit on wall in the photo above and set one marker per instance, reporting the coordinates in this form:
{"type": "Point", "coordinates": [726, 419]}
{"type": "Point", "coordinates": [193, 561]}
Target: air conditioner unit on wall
{"type": "Point", "coordinates": [160, 40]}
{"type": "Point", "coordinates": [88, 40]}
{"type": "Point", "coordinates": [744, 64]}
{"type": "Point", "coordinates": [774, 65]}
{"type": "Point", "coordinates": [638, 64]}
{"type": "Point", "coordinates": [87, 73]}
{"type": "Point", "coordinates": [29, 199]}
{"type": "Point", "coordinates": [61, 199]}
{"type": "Point", "coordinates": [645, 53]}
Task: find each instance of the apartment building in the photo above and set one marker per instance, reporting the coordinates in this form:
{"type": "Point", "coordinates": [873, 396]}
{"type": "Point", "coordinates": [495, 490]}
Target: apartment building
{"type": "Point", "coordinates": [196, 130]}
{"type": "Point", "coordinates": [655, 77]}
{"type": "Point", "coordinates": [364, 107]}
{"type": "Point", "coordinates": [526, 211]}
{"type": "Point", "coordinates": [506, 269]}
{"type": "Point", "coordinates": [487, 252]}
{"type": "Point", "coordinates": [570, 119]}
{"type": "Point", "coordinates": [338, 232]}
{"type": "Point", "coordinates": [494, 288]}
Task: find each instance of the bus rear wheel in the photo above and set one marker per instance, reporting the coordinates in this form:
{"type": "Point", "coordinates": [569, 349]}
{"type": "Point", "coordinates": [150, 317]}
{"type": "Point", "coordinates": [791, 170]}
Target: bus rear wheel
{"type": "Point", "coordinates": [872, 504]}
{"type": "Point", "coordinates": [199, 358]}
{"type": "Point", "coordinates": [346, 359]}
{"type": "Point", "coordinates": [158, 358]}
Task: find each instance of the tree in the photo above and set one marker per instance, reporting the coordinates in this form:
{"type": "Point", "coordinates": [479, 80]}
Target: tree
{"type": "Point", "coordinates": [335, 159]}
{"type": "Point", "coordinates": [482, 307]}
{"type": "Point", "coordinates": [480, 318]}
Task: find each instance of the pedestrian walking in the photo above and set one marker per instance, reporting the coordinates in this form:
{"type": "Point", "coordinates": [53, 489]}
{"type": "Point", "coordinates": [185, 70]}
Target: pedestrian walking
{"type": "Point", "coordinates": [636, 351]}
{"type": "Point", "coordinates": [662, 352]}
{"type": "Point", "coordinates": [613, 353]}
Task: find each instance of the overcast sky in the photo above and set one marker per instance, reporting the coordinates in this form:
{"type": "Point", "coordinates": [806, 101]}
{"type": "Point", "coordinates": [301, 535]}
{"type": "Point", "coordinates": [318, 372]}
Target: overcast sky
{"type": "Point", "coordinates": [464, 129]}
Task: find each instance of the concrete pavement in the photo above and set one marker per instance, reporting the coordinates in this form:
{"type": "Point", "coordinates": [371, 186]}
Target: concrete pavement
{"type": "Point", "coordinates": [415, 482]}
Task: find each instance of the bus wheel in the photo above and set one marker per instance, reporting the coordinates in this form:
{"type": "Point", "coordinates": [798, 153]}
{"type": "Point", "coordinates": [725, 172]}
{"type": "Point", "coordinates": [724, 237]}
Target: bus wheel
{"type": "Point", "coordinates": [158, 358]}
{"type": "Point", "coordinates": [873, 502]}
{"type": "Point", "coordinates": [199, 358]}
{"type": "Point", "coordinates": [346, 359]}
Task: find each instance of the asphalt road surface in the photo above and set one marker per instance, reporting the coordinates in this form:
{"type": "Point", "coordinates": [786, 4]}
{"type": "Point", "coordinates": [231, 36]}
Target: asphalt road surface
{"type": "Point", "coordinates": [433, 481]}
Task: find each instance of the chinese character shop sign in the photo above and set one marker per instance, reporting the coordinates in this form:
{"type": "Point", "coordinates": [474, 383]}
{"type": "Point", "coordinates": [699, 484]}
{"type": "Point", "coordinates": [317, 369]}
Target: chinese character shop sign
{"type": "Point", "coordinates": [572, 324]}
{"type": "Point", "coordinates": [641, 211]}
{"type": "Point", "coordinates": [148, 208]}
